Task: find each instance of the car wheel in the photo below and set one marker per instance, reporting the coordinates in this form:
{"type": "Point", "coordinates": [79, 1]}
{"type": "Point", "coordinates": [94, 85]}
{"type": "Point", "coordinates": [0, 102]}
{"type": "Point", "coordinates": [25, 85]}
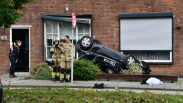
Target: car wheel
{"type": "Point", "coordinates": [129, 59]}
{"type": "Point", "coordinates": [86, 43]}
{"type": "Point", "coordinates": [96, 41]}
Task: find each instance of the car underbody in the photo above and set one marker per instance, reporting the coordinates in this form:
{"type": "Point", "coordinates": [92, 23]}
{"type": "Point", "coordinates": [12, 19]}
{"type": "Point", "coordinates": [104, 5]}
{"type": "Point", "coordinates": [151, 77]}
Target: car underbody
{"type": "Point", "coordinates": [110, 61]}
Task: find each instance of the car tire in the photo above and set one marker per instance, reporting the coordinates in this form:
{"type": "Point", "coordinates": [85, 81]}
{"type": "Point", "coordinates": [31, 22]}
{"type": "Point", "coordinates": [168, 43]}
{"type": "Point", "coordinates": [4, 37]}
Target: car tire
{"type": "Point", "coordinates": [86, 43]}
{"type": "Point", "coordinates": [129, 59]}
{"type": "Point", "coordinates": [96, 41]}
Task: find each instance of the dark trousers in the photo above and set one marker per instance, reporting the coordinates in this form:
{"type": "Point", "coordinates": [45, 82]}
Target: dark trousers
{"type": "Point", "coordinates": [12, 67]}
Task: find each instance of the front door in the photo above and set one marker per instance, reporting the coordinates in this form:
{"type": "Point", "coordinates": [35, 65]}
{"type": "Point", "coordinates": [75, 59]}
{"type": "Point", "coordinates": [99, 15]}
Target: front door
{"type": "Point", "coordinates": [23, 58]}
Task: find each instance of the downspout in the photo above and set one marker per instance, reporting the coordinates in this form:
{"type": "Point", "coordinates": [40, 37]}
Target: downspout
{"type": "Point", "coordinates": [119, 37]}
{"type": "Point", "coordinates": [91, 28]}
{"type": "Point", "coordinates": [43, 39]}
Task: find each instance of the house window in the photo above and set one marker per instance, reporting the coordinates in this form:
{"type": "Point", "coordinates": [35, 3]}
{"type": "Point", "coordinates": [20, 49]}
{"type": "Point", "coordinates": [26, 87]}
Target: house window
{"type": "Point", "coordinates": [60, 29]}
{"type": "Point", "coordinates": [83, 30]}
{"type": "Point", "coordinates": [66, 29]}
{"type": "Point", "coordinates": [147, 36]}
{"type": "Point", "coordinates": [151, 56]}
{"type": "Point", "coordinates": [51, 33]}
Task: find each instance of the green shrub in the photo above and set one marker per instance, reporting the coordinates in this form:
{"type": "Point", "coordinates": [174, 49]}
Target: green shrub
{"type": "Point", "coordinates": [40, 66]}
{"type": "Point", "coordinates": [85, 70]}
{"type": "Point", "coordinates": [133, 69]}
{"type": "Point", "coordinates": [42, 72]}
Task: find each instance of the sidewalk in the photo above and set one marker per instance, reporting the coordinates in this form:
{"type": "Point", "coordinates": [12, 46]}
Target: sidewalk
{"type": "Point", "coordinates": [26, 81]}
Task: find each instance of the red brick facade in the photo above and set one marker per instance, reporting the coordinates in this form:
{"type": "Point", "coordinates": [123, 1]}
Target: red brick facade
{"type": "Point", "coordinates": [105, 25]}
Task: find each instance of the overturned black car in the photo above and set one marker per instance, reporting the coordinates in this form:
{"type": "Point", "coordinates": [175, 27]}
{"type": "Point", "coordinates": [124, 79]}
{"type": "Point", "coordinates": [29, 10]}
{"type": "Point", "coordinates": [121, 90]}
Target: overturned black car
{"type": "Point", "coordinates": [109, 60]}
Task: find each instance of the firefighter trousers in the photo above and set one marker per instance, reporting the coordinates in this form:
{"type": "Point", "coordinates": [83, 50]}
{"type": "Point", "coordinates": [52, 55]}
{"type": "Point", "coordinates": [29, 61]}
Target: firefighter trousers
{"type": "Point", "coordinates": [65, 68]}
{"type": "Point", "coordinates": [56, 70]}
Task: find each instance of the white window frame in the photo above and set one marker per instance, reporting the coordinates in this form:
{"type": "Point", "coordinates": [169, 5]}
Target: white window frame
{"type": "Point", "coordinates": [150, 15]}
{"type": "Point", "coordinates": [22, 27]}
{"type": "Point", "coordinates": [45, 39]}
{"type": "Point", "coordinates": [160, 61]}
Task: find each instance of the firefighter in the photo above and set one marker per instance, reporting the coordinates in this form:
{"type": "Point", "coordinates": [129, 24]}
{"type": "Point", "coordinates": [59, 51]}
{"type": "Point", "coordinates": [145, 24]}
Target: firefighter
{"type": "Point", "coordinates": [13, 56]}
{"type": "Point", "coordinates": [66, 59]}
{"type": "Point", "coordinates": [56, 57]}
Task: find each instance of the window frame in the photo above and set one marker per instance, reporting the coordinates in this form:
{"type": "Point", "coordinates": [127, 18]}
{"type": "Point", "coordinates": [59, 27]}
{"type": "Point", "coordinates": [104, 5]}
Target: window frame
{"type": "Point", "coordinates": [58, 31]}
{"type": "Point", "coordinates": [45, 35]}
{"type": "Point", "coordinates": [148, 15]}
{"type": "Point", "coordinates": [159, 61]}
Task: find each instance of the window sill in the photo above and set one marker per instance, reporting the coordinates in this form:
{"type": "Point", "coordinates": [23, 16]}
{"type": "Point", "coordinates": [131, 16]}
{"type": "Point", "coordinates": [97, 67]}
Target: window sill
{"type": "Point", "coordinates": [160, 63]}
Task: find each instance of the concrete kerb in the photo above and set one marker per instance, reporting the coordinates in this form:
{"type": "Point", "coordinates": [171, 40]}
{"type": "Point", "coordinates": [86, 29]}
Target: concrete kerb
{"type": "Point", "coordinates": [31, 83]}
{"type": "Point", "coordinates": [91, 87]}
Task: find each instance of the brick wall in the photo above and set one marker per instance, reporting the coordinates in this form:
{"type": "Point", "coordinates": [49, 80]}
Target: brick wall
{"type": "Point", "coordinates": [105, 25]}
{"type": "Point", "coordinates": [4, 51]}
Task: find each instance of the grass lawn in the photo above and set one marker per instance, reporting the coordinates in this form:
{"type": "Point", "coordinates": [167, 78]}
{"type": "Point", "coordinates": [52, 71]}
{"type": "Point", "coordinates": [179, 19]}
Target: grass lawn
{"type": "Point", "coordinates": [65, 95]}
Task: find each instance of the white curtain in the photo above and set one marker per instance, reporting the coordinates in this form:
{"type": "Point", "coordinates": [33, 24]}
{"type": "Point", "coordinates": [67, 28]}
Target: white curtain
{"type": "Point", "coordinates": [149, 55]}
{"type": "Point", "coordinates": [66, 29]}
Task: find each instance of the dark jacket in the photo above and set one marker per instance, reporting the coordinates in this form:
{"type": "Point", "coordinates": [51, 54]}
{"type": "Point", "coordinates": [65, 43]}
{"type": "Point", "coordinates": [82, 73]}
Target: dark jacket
{"type": "Point", "coordinates": [16, 50]}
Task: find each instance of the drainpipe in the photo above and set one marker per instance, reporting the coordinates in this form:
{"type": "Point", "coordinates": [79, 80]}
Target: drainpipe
{"type": "Point", "coordinates": [43, 39]}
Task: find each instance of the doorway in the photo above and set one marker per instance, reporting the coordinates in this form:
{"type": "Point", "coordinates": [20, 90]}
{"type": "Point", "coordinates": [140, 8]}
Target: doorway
{"type": "Point", "coordinates": [23, 58]}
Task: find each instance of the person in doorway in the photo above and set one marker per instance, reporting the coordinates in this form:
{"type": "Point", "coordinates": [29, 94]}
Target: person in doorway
{"type": "Point", "coordinates": [56, 57]}
{"type": "Point", "coordinates": [13, 56]}
{"type": "Point", "coordinates": [66, 59]}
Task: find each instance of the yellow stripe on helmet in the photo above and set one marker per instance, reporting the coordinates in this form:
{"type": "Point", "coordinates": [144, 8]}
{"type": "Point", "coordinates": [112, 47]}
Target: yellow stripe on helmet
{"type": "Point", "coordinates": [56, 39]}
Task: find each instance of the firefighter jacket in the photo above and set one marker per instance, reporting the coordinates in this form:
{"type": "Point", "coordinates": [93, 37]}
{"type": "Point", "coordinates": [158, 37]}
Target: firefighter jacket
{"type": "Point", "coordinates": [56, 54]}
{"type": "Point", "coordinates": [67, 51]}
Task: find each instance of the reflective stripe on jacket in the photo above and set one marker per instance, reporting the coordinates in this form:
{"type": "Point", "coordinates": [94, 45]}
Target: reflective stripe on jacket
{"type": "Point", "coordinates": [68, 51]}
{"type": "Point", "coordinates": [16, 49]}
{"type": "Point", "coordinates": [56, 54]}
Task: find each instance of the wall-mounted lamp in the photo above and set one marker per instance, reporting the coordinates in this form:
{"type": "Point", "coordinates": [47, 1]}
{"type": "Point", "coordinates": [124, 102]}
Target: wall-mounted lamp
{"type": "Point", "coordinates": [66, 7]}
{"type": "Point", "coordinates": [3, 29]}
{"type": "Point", "coordinates": [178, 23]}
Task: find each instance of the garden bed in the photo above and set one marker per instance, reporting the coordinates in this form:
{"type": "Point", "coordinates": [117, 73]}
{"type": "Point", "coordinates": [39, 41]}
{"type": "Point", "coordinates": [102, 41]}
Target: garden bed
{"type": "Point", "coordinates": [171, 78]}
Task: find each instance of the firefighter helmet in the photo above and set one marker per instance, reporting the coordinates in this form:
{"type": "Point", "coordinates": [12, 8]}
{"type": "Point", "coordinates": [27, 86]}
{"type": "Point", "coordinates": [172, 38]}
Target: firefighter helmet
{"type": "Point", "coordinates": [56, 39]}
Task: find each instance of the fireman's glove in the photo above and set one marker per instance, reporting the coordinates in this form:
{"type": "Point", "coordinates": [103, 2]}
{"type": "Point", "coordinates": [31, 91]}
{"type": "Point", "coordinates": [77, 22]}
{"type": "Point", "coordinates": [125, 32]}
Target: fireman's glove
{"type": "Point", "coordinates": [57, 46]}
{"type": "Point", "coordinates": [52, 62]}
{"type": "Point", "coordinates": [53, 46]}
